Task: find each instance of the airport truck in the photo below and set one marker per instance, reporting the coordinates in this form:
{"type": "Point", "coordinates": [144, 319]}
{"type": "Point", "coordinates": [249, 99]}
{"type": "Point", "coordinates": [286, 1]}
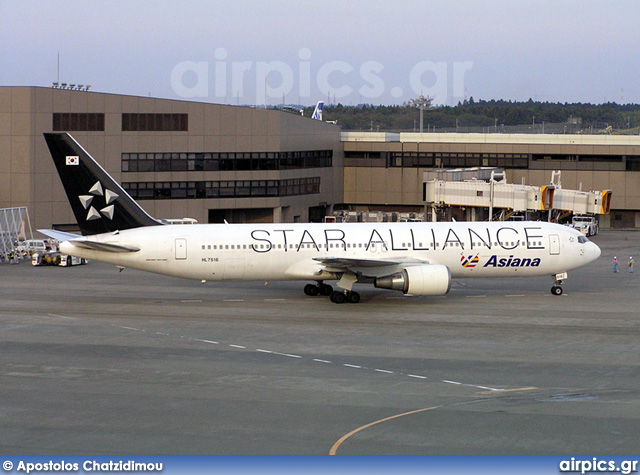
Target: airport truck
{"type": "Point", "coordinates": [587, 225]}
{"type": "Point", "coordinates": [56, 259]}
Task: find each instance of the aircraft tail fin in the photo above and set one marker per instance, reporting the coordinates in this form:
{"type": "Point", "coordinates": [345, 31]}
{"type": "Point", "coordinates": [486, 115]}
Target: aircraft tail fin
{"type": "Point", "coordinates": [317, 112]}
{"type": "Point", "coordinates": [98, 202]}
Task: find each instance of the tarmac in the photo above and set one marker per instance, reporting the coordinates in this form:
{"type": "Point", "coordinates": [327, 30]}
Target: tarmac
{"type": "Point", "coordinates": [97, 361]}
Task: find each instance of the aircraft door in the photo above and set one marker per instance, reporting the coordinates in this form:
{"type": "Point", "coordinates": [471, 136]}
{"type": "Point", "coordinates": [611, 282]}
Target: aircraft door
{"type": "Point", "coordinates": [181, 249]}
{"type": "Point", "coordinates": [233, 269]}
{"type": "Point", "coordinates": [554, 244]}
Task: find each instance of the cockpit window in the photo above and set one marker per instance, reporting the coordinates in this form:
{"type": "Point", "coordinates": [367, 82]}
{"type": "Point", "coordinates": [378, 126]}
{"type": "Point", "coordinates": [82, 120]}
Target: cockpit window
{"type": "Point", "coordinates": [582, 239]}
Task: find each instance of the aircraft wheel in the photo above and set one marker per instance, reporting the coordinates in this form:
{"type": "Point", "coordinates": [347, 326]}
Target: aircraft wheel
{"type": "Point", "coordinates": [556, 290]}
{"type": "Point", "coordinates": [325, 290]}
{"type": "Point", "coordinates": [353, 297]}
{"type": "Point", "coordinates": [337, 297]}
{"type": "Point", "coordinates": [311, 290]}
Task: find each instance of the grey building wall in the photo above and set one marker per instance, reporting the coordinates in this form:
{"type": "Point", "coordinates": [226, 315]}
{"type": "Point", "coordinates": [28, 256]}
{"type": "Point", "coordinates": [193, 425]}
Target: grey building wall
{"type": "Point", "coordinates": [376, 179]}
{"type": "Point", "coordinates": [28, 177]}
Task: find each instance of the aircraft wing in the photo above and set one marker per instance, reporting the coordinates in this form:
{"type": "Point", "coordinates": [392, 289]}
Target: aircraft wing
{"type": "Point", "coordinates": [345, 262]}
{"type": "Point", "coordinates": [368, 267]}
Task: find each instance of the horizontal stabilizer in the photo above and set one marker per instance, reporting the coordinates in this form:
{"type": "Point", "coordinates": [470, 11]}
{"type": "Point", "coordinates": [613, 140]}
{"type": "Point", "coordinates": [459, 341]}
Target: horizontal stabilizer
{"type": "Point", "coordinates": [102, 246]}
{"type": "Point", "coordinates": [59, 235]}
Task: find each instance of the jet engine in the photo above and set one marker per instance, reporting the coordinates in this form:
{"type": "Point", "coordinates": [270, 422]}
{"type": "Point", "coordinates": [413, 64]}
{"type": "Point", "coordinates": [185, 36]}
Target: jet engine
{"type": "Point", "coordinates": [418, 280]}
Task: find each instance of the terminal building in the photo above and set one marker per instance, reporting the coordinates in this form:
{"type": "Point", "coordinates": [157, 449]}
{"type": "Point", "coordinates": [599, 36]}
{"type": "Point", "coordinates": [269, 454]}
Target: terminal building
{"type": "Point", "coordinates": [384, 171]}
{"type": "Point", "coordinates": [215, 162]}
{"type": "Point", "coordinates": [179, 159]}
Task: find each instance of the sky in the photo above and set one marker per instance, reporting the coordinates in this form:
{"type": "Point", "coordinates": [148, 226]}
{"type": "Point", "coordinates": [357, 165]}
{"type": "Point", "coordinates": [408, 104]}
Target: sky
{"type": "Point", "coordinates": [348, 51]}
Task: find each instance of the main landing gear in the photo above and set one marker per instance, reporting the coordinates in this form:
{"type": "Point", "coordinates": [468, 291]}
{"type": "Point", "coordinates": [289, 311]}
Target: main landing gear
{"type": "Point", "coordinates": [345, 296]}
{"type": "Point", "coordinates": [336, 296]}
{"type": "Point", "coordinates": [557, 282]}
{"type": "Point", "coordinates": [319, 289]}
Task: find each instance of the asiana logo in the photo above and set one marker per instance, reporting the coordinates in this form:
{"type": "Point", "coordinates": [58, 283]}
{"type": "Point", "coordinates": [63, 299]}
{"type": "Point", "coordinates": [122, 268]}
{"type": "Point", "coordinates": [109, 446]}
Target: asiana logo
{"type": "Point", "coordinates": [96, 191]}
{"type": "Point", "coordinates": [512, 262]}
{"type": "Point", "coordinates": [469, 261]}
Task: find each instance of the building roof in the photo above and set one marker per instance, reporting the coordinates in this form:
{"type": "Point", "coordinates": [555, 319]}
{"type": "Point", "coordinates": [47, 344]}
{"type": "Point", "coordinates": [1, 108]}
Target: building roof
{"type": "Point", "coordinates": [538, 139]}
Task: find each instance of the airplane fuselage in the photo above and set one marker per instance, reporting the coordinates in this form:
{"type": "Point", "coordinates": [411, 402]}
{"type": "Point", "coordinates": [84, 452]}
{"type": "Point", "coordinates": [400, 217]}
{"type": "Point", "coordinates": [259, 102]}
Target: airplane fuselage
{"type": "Point", "coordinates": [292, 251]}
{"type": "Point", "coordinates": [414, 258]}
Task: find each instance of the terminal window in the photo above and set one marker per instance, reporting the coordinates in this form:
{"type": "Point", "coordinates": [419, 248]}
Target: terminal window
{"type": "Point", "coordinates": [225, 161]}
{"type": "Point", "coordinates": [222, 189]}
{"type": "Point", "coordinates": [148, 122]}
{"type": "Point", "coordinates": [89, 122]}
{"type": "Point", "coordinates": [452, 160]}
{"type": "Point", "coordinates": [633, 164]}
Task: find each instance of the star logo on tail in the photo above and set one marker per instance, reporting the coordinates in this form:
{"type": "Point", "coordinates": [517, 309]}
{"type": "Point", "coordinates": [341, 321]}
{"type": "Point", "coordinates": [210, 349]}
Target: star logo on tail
{"type": "Point", "coordinates": [88, 202]}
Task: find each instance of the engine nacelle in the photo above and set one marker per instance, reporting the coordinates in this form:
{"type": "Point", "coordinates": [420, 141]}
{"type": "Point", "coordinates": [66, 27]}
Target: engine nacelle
{"type": "Point", "coordinates": [418, 280]}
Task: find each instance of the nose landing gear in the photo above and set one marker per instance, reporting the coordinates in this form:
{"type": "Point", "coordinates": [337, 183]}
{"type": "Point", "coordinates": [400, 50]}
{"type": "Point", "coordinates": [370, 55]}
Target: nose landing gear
{"type": "Point", "coordinates": [556, 290]}
{"type": "Point", "coordinates": [557, 282]}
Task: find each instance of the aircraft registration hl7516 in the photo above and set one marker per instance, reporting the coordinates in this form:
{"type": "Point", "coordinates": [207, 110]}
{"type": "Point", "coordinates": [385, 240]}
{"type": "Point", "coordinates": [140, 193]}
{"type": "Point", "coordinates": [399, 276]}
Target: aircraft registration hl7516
{"type": "Point", "coordinates": [414, 258]}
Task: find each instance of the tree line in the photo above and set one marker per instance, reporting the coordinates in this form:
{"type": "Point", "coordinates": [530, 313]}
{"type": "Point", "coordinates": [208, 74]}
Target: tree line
{"type": "Point", "coordinates": [604, 118]}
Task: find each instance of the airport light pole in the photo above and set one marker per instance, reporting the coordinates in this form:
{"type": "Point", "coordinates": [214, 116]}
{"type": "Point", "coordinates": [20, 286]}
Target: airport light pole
{"type": "Point", "coordinates": [422, 102]}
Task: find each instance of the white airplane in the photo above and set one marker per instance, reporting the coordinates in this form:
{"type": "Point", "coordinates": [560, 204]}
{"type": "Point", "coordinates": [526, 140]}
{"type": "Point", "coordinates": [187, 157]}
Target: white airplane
{"type": "Point", "coordinates": [317, 112]}
{"type": "Point", "coordinates": [414, 258]}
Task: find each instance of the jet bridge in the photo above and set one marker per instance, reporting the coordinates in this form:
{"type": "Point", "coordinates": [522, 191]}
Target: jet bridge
{"type": "Point", "coordinates": [483, 193]}
{"type": "Point", "coordinates": [578, 201]}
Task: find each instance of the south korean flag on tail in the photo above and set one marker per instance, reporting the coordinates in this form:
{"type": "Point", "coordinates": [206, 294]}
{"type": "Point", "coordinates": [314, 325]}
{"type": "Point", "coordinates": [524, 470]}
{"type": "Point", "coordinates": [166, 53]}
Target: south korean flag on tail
{"type": "Point", "coordinates": [73, 160]}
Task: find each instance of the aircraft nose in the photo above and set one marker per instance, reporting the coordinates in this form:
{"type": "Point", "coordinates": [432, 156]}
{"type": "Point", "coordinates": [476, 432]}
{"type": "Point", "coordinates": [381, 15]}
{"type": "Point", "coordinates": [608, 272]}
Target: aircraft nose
{"type": "Point", "coordinates": [595, 251]}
